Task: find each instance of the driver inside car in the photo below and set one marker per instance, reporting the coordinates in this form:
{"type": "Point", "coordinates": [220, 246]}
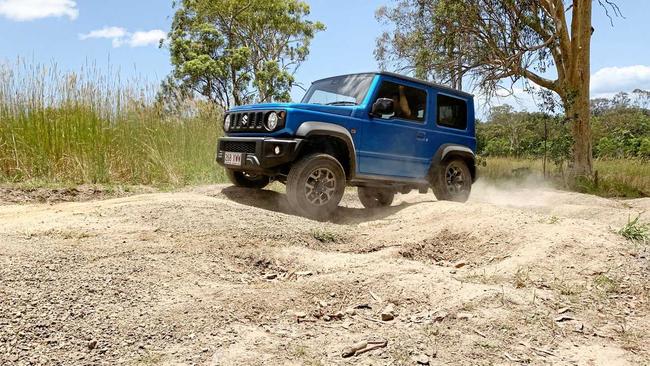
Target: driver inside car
{"type": "Point", "coordinates": [400, 104]}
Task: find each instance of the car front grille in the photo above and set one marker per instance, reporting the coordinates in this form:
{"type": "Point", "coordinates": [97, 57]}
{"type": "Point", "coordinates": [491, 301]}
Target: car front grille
{"type": "Point", "coordinates": [238, 146]}
{"type": "Point", "coordinates": [247, 121]}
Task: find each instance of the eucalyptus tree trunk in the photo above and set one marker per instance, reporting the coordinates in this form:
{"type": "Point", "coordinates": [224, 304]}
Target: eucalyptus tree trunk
{"type": "Point", "coordinates": [577, 96]}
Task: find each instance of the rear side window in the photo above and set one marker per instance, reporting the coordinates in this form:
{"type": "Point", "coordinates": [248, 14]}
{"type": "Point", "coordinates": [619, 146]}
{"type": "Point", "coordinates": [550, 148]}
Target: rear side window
{"type": "Point", "coordinates": [452, 112]}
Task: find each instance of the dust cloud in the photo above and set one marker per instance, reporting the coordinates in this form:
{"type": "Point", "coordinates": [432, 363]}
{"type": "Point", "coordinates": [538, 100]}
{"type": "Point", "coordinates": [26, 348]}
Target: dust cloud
{"type": "Point", "coordinates": [531, 191]}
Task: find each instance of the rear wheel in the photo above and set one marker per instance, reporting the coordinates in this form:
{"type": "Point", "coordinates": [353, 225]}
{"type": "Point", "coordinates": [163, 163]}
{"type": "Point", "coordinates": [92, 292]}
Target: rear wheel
{"type": "Point", "coordinates": [315, 186]}
{"type": "Point", "coordinates": [452, 181]}
{"type": "Point", "coordinates": [247, 180]}
{"type": "Point", "coordinates": [375, 197]}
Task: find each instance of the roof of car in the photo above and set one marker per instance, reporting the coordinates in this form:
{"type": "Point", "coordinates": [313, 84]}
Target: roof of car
{"type": "Point", "coordinates": [429, 83]}
{"type": "Point", "coordinates": [411, 79]}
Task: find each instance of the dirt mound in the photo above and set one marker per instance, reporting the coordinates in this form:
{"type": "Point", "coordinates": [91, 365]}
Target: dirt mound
{"type": "Point", "coordinates": [220, 275]}
{"type": "Point", "coordinates": [457, 248]}
{"type": "Point", "coordinates": [13, 195]}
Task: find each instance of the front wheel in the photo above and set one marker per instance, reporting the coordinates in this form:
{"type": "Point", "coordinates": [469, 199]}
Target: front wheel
{"type": "Point", "coordinates": [375, 197]}
{"type": "Point", "coordinates": [315, 186]}
{"type": "Point", "coordinates": [246, 180]}
{"type": "Point", "coordinates": [452, 181]}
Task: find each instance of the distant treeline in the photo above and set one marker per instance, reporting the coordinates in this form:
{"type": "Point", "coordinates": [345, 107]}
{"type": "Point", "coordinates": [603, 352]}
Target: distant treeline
{"type": "Point", "coordinates": [621, 129]}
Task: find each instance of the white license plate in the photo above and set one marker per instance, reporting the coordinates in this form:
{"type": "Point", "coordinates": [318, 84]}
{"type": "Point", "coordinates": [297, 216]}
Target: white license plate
{"type": "Point", "coordinates": [231, 158]}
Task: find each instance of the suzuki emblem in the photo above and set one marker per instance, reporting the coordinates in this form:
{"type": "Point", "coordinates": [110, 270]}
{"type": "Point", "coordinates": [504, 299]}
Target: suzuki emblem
{"type": "Point", "coordinates": [244, 120]}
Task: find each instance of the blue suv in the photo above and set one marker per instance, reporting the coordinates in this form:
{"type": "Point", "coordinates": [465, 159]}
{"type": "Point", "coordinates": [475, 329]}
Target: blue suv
{"type": "Point", "coordinates": [381, 132]}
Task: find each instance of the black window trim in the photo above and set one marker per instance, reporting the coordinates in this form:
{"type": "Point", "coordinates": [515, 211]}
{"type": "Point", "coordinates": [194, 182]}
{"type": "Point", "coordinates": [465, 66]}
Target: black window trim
{"type": "Point", "coordinates": [423, 122]}
{"type": "Point", "coordinates": [438, 111]}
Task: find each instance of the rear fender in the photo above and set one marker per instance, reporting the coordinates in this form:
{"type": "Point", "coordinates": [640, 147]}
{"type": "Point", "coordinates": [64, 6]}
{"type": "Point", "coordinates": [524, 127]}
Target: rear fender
{"type": "Point", "coordinates": [454, 151]}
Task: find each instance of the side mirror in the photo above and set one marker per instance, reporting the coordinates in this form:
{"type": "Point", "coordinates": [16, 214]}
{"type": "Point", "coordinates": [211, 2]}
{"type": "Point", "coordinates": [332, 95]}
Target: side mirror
{"type": "Point", "coordinates": [383, 106]}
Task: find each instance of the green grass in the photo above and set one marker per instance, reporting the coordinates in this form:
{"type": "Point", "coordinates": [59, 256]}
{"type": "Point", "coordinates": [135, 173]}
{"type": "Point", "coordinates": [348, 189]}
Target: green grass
{"type": "Point", "coordinates": [635, 231]}
{"type": "Point", "coordinates": [88, 127]}
{"type": "Point", "coordinates": [627, 178]}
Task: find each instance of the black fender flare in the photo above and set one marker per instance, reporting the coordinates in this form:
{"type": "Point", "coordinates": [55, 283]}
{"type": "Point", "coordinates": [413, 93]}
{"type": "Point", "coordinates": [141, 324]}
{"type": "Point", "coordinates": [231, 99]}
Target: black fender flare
{"type": "Point", "coordinates": [448, 151]}
{"type": "Point", "coordinates": [313, 128]}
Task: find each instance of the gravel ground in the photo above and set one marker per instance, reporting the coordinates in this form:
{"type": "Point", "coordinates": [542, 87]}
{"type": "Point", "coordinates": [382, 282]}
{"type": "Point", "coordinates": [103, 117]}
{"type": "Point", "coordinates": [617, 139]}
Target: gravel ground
{"type": "Point", "coordinates": [217, 275]}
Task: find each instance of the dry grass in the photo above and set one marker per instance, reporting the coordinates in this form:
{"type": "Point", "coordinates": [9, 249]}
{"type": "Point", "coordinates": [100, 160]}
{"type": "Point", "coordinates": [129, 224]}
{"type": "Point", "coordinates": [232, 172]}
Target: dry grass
{"type": "Point", "coordinates": [616, 178]}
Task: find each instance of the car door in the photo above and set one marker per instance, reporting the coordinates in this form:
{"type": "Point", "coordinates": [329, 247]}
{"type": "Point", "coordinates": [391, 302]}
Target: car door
{"type": "Point", "coordinates": [396, 145]}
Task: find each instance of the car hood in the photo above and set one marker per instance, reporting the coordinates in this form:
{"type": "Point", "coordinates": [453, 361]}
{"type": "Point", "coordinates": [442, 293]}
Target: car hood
{"type": "Point", "coordinates": [340, 110]}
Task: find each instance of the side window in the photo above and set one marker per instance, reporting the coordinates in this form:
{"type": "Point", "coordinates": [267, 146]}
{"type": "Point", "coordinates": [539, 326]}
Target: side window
{"type": "Point", "coordinates": [410, 103]}
{"type": "Point", "coordinates": [452, 112]}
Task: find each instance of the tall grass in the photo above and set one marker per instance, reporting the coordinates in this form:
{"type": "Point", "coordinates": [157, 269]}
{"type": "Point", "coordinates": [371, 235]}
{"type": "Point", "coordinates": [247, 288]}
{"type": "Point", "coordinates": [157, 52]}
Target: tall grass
{"type": "Point", "coordinates": [93, 127]}
{"type": "Point", "coordinates": [616, 177]}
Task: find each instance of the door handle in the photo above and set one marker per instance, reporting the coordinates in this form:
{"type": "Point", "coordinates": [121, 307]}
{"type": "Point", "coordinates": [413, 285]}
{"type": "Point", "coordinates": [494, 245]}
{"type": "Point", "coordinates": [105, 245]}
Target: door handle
{"type": "Point", "coordinates": [421, 136]}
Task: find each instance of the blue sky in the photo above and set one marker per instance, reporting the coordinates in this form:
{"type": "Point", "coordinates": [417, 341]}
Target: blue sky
{"type": "Point", "coordinates": [124, 34]}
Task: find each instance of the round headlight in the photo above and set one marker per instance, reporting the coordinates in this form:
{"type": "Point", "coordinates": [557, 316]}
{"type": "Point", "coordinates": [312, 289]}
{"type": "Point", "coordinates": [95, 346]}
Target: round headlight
{"type": "Point", "coordinates": [272, 121]}
{"type": "Point", "coordinates": [226, 123]}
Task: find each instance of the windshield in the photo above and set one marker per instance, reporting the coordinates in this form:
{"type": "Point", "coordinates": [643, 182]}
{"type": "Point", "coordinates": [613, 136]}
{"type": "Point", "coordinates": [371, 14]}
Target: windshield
{"type": "Point", "coordinates": [340, 90]}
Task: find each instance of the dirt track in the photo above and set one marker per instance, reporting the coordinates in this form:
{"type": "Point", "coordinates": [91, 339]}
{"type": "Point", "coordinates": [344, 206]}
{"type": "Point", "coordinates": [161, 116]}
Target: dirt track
{"type": "Point", "coordinates": [226, 276]}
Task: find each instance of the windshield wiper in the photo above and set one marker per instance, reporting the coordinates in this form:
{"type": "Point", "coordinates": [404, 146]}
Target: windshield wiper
{"type": "Point", "coordinates": [341, 103]}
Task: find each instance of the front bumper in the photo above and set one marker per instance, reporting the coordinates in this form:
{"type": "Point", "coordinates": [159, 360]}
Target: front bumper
{"type": "Point", "coordinates": [258, 154]}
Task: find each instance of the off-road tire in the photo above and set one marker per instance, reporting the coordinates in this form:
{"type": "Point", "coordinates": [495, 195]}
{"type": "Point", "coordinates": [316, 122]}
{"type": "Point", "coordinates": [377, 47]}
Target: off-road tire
{"type": "Point", "coordinates": [452, 181]}
{"type": "Point", "coordinates": [241, 179]}
{"type": "Point", "coordinates": [375, 197]}
{"type": "Point", "coordinates": [315, 186]}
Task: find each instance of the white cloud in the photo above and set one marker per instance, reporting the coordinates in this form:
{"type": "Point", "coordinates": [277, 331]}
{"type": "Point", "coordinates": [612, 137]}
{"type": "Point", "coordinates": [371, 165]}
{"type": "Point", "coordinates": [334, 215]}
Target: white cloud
{"type": "Point", "coordinates": [107, 32]}
{"type": "Point", "coordinates": [148, 38]}
{"type": "Point", "coordinates": [611, 80]}
{"type": "Point", "coordinates": [116, 34]}
{"type": "Point", "coordinates": [24, 10]}
{"type": "Point", "coordinates": [120, 36]}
